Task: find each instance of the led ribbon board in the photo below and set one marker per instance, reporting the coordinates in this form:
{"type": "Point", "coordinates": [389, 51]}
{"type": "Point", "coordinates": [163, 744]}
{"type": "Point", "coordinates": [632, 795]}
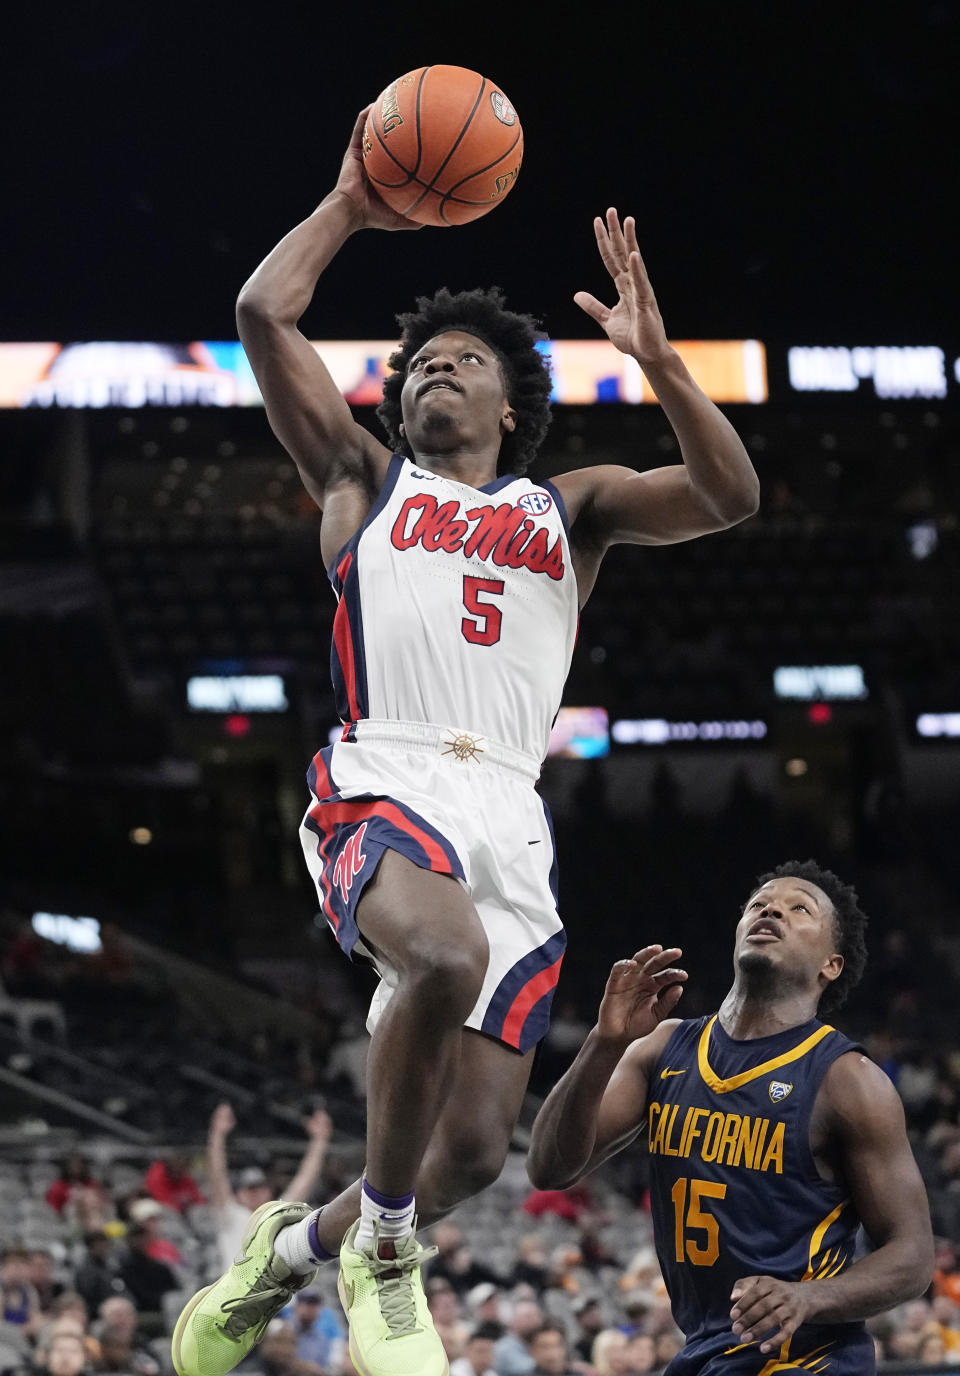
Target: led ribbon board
{"type": "Point", "coordinates": [217, 374]}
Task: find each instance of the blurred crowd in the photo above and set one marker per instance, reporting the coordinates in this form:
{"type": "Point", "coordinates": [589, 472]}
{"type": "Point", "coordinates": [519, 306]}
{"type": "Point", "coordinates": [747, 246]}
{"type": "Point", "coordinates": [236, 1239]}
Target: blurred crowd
{"type": "Point", "coordinates": [524, 1283]}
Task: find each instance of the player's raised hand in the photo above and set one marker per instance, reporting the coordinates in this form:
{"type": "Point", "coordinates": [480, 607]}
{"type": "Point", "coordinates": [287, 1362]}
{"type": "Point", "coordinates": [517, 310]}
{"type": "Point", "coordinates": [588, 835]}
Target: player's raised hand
{"type": "Point", "coordinates": [640, 993]}
{"type": "Point", "coordinates": [352, 182]}
{"type": "Point", "coordinates": [222, 1121]}
{"type": "Point", "coordinates": [633, 324]}
{"type": "Point", "coordinates": [319, 1125]}
{"type": "Point", "coordinates": [771, 1309]}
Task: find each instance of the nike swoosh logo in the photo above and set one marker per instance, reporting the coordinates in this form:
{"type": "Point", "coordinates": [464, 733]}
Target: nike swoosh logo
{"type": "Point", "coordinates": [664, 1074]}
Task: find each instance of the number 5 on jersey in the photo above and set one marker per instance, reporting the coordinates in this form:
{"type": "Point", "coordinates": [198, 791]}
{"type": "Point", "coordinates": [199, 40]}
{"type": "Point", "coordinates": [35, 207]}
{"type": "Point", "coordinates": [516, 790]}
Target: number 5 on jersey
{"type": "Point", "coordinates": [486, 629]}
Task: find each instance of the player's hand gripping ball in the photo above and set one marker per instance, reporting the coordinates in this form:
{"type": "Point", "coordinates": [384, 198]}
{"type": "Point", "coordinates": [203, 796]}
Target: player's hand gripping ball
{"type": "Point", "coordinates": [442, 145]}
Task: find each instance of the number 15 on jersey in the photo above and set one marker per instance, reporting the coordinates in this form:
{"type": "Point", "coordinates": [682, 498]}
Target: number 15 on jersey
{"type": "Point", "coordinates": [689, 1216]}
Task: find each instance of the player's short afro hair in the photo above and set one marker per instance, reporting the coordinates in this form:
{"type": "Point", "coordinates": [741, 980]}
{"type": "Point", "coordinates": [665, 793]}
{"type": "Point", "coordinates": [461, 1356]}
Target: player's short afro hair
{"type": "Point", "coordinates": [848, 921]}
{"type": "Point", "coordinates": [481, 312]}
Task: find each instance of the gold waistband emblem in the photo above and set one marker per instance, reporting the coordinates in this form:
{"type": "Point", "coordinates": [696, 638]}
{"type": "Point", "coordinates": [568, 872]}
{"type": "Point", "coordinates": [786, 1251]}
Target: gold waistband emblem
{"type": "Point", "coordinates": [464, 747]}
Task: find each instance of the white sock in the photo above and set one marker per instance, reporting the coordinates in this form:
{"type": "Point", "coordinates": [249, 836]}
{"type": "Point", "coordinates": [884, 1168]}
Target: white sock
{"type": "Point", "coordinates": [299, 1245]}
{"type": "Point", "coordinates": [394, 1217]}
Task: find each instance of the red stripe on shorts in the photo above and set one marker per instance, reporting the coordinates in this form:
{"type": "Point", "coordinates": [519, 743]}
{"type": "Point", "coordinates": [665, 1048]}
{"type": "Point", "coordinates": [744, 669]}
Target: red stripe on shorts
{"type": "Point", "coordinates": [531, 993]}
{"type": "Point", "coordinates": [324, 782]}
{"type": "Point", "coordinates": [329, 814]}
{"type": "Point", "coordinates": [324, 861]}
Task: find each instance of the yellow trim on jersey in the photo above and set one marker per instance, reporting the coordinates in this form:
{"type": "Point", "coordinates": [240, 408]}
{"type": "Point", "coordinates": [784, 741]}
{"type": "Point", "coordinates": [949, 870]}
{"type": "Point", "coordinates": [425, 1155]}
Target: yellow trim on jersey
{"type": "Point", "coordinates": [816, 1241]}
{"type": "Point", "coordinates": [713, 1081]}
{"type": "Point", "coordinates": [829, 1260]}
{"type": "Point", "coordinates": [815, 1361]}
{"type": "Point", "coordinates": [775, 1363]}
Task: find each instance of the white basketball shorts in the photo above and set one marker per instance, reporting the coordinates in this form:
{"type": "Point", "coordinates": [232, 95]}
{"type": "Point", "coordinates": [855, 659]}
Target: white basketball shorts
{"type": "Point", "coordinates": [456, 803]}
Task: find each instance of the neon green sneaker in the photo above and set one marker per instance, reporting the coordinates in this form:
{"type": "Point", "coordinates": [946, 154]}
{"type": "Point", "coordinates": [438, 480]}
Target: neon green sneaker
{"type": "Point", "coordinates": [391, 1331]}
{"type": "Point", "coordinates": [222, 1322]}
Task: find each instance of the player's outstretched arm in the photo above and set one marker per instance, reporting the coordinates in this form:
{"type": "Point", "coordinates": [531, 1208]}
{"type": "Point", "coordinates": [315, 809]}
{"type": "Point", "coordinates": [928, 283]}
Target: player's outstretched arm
{"type": "Point", "coordinates": [305, 408]}
{"type": "Point", "coordinates": [601, 1102]}
{"type": "Point", "coordinates": [716, 485]}
{"type": "Point", "coordinates": [864, 1117]}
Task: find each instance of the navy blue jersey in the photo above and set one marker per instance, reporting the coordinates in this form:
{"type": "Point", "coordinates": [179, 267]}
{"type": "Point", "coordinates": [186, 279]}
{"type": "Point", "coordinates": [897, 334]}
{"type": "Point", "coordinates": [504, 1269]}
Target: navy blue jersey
{"type": "Point", "coordinates": [734, 1188]}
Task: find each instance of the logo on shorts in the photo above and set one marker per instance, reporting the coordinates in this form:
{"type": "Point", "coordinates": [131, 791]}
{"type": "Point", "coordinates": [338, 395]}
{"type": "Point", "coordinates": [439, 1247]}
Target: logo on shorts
{"type": "Point", "coordinates": [502, 108]}
{"type": "Point", "coordinates": [779, 1091]}
{"type": "Point", "coordinates": [350, 862]}
{"type": "Point", "coordinates": [535, 503]}
{"type": "Point", "coordinates": [464, 747]}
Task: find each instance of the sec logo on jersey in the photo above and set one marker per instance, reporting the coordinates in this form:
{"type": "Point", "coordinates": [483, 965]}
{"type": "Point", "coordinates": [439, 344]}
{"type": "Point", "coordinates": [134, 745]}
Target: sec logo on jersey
{"type": "Point", "coordinates": [535, 503]}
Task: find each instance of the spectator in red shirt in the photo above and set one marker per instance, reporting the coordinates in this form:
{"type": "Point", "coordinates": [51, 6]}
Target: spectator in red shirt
{"type": "Point", "coordinates": [144, 1215]}
{"type": "Point", "coordinates": [171, 1184]}
{"type": "Point", "coordinates": [568, 1204]}
{"type": "Point", "coordinates": [75, 1188]}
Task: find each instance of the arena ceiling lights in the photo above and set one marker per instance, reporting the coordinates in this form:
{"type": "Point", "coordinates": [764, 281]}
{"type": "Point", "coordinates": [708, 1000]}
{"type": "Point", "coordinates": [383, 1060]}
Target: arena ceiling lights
{"type": "Point", "coordinates": [820, 682]}
{"type": "Point", "coordinates": [934, 725]}
{"type": "Point", "coordinates": [237, 693]}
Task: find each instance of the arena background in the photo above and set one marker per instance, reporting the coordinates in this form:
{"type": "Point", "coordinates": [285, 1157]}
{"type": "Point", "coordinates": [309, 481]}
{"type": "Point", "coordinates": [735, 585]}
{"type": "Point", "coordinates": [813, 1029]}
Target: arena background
{"type": "Point", "coordinates": [791, 176]}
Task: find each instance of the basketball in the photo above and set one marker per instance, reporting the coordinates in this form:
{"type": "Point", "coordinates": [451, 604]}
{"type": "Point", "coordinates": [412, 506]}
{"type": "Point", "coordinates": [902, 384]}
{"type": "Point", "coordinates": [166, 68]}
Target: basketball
{"type": "Point", "coordinates": [442, 145]}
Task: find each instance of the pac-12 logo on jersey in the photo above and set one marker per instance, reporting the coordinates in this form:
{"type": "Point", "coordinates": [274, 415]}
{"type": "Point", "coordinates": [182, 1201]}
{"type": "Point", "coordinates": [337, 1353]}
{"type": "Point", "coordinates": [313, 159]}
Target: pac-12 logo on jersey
{"type": "Point", "coordinates": [779, 1091]}
{"type": "Point", "coordinates": [350, 862]}
{"type": "Point", "coordinates": [535, 503]}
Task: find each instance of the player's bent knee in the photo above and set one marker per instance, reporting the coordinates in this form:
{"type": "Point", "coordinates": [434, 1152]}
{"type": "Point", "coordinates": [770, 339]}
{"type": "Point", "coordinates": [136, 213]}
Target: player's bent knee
{"type": "Point", "coordinates": [446, 971]}
{"type": "Point", "coordinates": [480, 1168]}
{"type": "Point", "coordinates": [444, 963]}
{"type": "Point", "coordinates": [460, 1170]}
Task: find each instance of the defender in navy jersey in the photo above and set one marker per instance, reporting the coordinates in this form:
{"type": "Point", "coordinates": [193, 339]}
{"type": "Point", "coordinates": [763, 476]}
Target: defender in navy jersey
{"type": "Point", "coordinates": [458, 583]}
{"type": "Point", "coordinates": [771, 1139]}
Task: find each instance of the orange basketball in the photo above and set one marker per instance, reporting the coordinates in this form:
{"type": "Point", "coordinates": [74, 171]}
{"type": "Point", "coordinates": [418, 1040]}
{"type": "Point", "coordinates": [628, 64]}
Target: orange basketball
{"type": "Point", "coordinates": [442, 145]}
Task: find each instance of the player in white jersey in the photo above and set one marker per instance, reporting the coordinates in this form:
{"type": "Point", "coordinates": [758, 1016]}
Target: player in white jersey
{"type": "Point", "coordinates": [459, 583]}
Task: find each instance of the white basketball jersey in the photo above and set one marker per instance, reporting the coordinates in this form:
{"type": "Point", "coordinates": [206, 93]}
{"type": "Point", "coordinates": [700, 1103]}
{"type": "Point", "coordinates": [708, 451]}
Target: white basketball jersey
{"type": "Point", "coordinates": [457, 607]}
